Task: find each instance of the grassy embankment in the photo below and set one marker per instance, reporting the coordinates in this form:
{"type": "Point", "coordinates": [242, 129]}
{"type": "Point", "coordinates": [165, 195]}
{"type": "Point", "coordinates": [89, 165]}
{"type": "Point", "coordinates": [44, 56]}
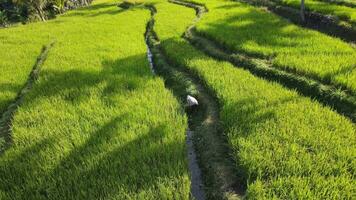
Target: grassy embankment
{"type": "Point", "coordinates": [96, 124]}
{"type": "Point", "coordinates": [285, 145]}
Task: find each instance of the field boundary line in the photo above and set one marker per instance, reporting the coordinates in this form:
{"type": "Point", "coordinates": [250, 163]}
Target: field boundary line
{"type": "Point", "coordinates": [8, 115]}
{"type": "Point", "coordinates": [340, 3]}
{"type": "Point", "coordinates": [218, 169]}
{"type": "Point", "coordinates": [342, 101]}
{"type": "Point", "coordinates": [338, 99]}
{"type": "Point", "coordinates": [316, 21]}
{"type": "Point", "coordinates": [194, 33]}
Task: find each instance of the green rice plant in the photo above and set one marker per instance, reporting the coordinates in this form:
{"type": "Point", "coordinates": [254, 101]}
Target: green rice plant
{"type": "Point", "coordinates": [20, 47]}
{"type": "Point", "coordinates": [349, 3]}
{"type": "Point", "coordinates": [286, 146]}
{"type": "Point", "coordinates": [342, 12]}
{"type": "Point", "coordinates": [96, 124]}
{"type": "Point", "coordinates": [255, 32]}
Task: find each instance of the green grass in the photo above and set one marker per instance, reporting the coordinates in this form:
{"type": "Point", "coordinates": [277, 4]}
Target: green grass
{"type": "Point", "coordinates": [19, 50]}
{"type": "Point", "coordinates": [97, 124]}
{"type": "Point", "coordinates": [287, 146]}
{"type": "Point", "coordinates": [250, 30]}
{"type": "Point", "coordinates": [342, 12]}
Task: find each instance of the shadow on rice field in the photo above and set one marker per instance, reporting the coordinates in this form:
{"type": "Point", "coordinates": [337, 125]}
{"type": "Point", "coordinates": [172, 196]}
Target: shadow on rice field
{"type": "Point", "coordinates": [96, 180]}
{"type": "Point", "coordinates": [100, 167]}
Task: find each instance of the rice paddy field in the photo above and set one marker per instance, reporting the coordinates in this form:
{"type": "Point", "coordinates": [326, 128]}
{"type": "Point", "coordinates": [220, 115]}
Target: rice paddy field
{"type": "Point", "coordinates": [97, 123]}
{"type": "Point", "coordinates": [344, 10]}
{"type": "Point", "coordinates": [252, 31]}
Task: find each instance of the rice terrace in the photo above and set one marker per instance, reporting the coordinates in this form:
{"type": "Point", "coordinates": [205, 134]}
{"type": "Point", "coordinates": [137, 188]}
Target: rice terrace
{"type": "Point", "coordinates": [177, 99]}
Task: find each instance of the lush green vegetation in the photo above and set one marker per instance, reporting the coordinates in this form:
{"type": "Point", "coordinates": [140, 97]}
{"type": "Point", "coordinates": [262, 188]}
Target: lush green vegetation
{"type": "Point", "coordinates": [342, 12]}
{"type": "Point", "coordinates": [288, 146]}
{"type": "Point", "coordinates": [255, 32]}
{"type": "Point", "coordinates": [97, 124]}
{"type": "Point", "coordinates": [18, 56]}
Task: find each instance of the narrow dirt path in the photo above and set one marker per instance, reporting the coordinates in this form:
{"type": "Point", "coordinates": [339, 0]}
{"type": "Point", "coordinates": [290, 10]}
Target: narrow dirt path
{"type": "Point", "coordinates": [212, 170]}
{"type": "Point", "coordinates": [7, 116]}
{"type": "Point", "coordinates": [197, 190]}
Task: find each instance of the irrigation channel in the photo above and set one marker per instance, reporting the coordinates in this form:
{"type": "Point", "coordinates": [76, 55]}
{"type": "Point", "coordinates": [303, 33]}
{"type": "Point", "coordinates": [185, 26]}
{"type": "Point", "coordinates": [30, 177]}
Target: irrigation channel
{"type": "Point", "coordinates": [7, 116]}
{"type": "Point", "coordinates": [342, 100]}
{"type": "Point", "coordinates": [197, 190]}
{"type": "Point", "coordinates": [212, 171]}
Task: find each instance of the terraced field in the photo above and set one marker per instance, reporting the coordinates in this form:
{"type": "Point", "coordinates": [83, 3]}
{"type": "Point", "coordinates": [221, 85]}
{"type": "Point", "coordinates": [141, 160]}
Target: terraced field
{"type": "Point", "coordinates": [89, 120]}
{"type": "Point", "coordinates": [258, 119]}
{"type": "Point", "coordinates": [343, 12]}
{"type": "Point", "coordinates": [254, 32]}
